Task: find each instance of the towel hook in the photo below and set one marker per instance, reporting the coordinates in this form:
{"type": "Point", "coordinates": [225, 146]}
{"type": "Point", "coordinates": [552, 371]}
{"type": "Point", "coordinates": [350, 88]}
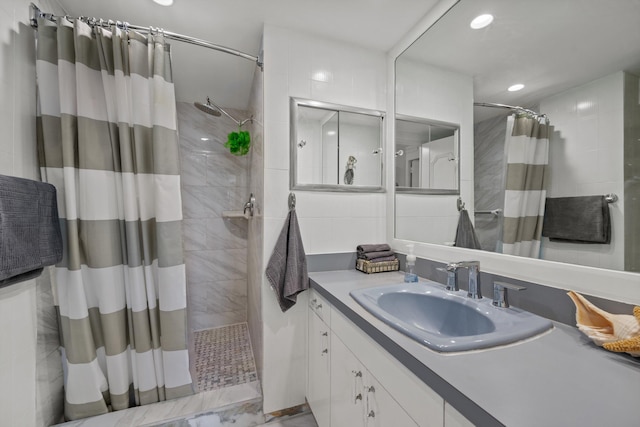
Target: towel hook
{"type": "Point", "coordinates": [292, 201]}
{"type": "Point", "coordinates": [460, 204]}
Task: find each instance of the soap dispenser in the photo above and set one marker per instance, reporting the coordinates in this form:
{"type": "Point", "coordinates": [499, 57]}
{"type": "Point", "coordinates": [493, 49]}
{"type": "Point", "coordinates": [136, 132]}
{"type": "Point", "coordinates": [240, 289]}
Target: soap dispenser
{"type": "Point", "coordinates": [410, 275]}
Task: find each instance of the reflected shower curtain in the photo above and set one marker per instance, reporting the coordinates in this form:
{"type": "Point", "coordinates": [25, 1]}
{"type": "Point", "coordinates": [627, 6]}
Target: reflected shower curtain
{"type": "Point", "coordinates": [107, 140]}
{"type": "Point", "coordinates": [527, 156]}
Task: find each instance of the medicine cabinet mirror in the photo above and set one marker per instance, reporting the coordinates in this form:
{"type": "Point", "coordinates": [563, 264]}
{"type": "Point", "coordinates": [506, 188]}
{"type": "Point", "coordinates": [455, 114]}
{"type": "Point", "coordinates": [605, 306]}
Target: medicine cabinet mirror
{"type": "Point", "coordinates": [426, 155]}
{"type": "Point", "coordinates": [335, 148]}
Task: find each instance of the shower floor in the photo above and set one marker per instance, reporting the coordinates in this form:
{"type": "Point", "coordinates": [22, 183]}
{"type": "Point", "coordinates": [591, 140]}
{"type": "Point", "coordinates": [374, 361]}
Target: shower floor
{"type": "Point", "coordinates": [223, 357]}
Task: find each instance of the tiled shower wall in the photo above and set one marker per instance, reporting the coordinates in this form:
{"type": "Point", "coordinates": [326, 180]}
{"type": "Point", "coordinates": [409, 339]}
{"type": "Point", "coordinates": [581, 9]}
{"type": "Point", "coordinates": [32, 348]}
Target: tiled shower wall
{"type": "Point", "coordinates": [631, 172]}
{"type": "Point", "coordinates": [213, 181]}
{"type": "Point", "coordinates": [256, 224]}
{"type": "Point", "coordinates": [488, 178]}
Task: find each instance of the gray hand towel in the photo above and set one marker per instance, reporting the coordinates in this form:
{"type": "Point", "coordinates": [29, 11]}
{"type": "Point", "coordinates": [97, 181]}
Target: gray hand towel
{"type": "Point", "coordinates": [373, 255]}
{"type": "Point", "coordinates": [375, 247]}
{"type": "Point", "coordinates": [582, 219]}
{"type": "Point", "coordinates": [30, 236]}
{"type": "Point", "coordinates": [287, 267]}
{"type": "Point", "coordinates": [465, 234]}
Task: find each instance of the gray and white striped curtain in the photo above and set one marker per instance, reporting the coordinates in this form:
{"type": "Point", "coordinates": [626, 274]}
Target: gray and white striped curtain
{"type": "Point", "coordinates": [527, 157]}
{"type": "Point", "coordinates": [107, 140]}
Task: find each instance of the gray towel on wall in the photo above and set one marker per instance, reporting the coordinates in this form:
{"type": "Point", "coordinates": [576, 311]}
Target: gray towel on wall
{"type": "Point", "coordinates": [465, 234]}
{"type": "Point", "coordinates": [583, 219]}
{"type": "Point", "coordinates": [287, 267]}
{"type": "Point", "coordinates": [30, 236]}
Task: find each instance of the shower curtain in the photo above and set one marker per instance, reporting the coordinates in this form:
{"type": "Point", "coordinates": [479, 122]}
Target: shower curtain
{"type": "Point", "coordinates": [527, 156]}
{"type": "Point", "coordinates": [107, 140]}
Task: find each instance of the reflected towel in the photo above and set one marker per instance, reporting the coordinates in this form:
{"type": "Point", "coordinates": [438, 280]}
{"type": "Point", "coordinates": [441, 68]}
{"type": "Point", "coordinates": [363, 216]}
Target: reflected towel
{"type": "Point", "coordinates": [30, 236]}
{"type": "Point", "coordinates": [465, 234]}
{"type": "Point", "coordinates": [577, 219]}
{"type": "Point", "coordinates": [287, 267]}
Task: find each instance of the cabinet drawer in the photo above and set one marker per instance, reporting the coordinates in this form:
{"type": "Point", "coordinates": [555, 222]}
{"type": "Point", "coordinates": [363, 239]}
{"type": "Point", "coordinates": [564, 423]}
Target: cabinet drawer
{"type": "Point", "coordinates": [319, 305]}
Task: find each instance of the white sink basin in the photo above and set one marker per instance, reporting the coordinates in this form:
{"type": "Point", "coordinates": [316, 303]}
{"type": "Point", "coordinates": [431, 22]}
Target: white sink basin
{"type": "Point", "coordinates": [448, 321]}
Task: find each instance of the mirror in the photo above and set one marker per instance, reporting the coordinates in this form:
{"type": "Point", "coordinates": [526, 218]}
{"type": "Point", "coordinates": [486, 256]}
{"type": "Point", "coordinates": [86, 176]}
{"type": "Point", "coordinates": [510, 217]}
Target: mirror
{"type": "Point", "coordinates": [335, 148]}
{"type": "Point", "coordinates": [584, 80]}
{"type": "Point", "coordinates": [426, 156]}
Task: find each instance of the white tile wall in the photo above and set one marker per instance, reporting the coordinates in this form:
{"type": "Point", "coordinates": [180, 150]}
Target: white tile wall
{"type": "Point", "coordinates": [18, 157]}
{"type": "Point", "coordinates": [585, 158]}
{"type": "Point", "coordinates": [301, 65]}
{"type": "Point", "coordinates": [425, 91]}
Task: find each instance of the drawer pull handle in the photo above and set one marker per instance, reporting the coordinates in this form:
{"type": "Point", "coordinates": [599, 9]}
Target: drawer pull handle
{"type": "Point", "coordinates": [357, 374]}
{"type": "Point", "coordinates": [319, 306]}
{"type": "Point", "coordinates": [325, 351]}
{"type": "Point", "coordinates": [371, 389]}
{"type": "Point", "coordinates": [324, 334]}
{"type": "Point", "coordinates": [371, 414]}
{"type": "Point", "coordinates": [358, 397]}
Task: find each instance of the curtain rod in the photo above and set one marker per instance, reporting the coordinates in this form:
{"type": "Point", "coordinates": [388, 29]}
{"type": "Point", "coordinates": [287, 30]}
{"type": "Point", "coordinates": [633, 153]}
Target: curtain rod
{"type": "Point", "coordinates": [508, 107]}
{"type": "Point", "coordinates": [37, 13]}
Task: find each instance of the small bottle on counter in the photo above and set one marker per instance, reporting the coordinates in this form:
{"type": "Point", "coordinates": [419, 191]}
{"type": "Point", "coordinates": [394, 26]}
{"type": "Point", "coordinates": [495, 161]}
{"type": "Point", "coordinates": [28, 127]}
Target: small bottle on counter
{"type": "Point", "coordinates": [410, 275]}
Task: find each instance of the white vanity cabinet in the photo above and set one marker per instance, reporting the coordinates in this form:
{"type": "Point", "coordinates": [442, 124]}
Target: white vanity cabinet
{"type": "Point", "coordinates": [357, 398]}
{"type": "Point", "coordinates": [318, 375]}
{"type": "Point", "coordinates": [453, 418]}
{"type": "Point", "coordinates": [347, 386]}
{"type": "Point", "coordinates": [359, 383]}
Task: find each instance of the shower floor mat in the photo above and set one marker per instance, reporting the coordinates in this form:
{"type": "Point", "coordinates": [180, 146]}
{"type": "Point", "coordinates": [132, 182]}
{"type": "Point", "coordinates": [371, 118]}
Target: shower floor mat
{"type": "Point", "coordinates": [223, 357]}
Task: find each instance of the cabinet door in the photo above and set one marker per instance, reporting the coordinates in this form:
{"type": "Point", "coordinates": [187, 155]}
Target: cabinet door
{"type": "Point", "coordinates": [347, 387]}
{"type": "Point", "coordinates": [453, 418]}
{"type": "Point", "coordinates": [381, 409]}
{"type": "Point", "coordinates": [318, 370]}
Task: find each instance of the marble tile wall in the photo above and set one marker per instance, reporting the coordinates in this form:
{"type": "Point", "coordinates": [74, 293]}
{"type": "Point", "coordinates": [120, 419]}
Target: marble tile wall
{"type": "Point", "coordinates": [49, 378]}
{"type": "Point", "coordinates": [213, 181]}
{"type": "Point", "coordinates": [28, 332]}
{"type": "Point", "coordinates": [631, 172]}
{"type": "Point", "coordinates": [488, 178]}
{"type": "Point", "coordinates": [256, 224]}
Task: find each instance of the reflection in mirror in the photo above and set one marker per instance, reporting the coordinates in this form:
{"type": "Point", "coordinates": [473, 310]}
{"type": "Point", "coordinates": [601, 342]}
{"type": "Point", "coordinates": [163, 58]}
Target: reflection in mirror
{"type": "Point", "coordinates": [426, 156]}
{"type": "Point", "coordinates": [335, 148]}
{"type": "Point", "coordinates": [586, 82]}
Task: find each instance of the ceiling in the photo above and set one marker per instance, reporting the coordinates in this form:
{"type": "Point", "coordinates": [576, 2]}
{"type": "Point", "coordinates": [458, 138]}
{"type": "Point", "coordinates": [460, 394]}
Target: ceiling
{"type": "Point", "coordinates": [238, 24]}
{"type": "Point", "coordinates": [549, 45]}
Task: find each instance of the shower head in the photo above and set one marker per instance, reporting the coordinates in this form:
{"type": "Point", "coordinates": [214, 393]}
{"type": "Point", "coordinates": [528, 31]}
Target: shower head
{"type": "Point", "coordinates": [212, 108]}
{"type": "Point", "coordinates": [208, 108]}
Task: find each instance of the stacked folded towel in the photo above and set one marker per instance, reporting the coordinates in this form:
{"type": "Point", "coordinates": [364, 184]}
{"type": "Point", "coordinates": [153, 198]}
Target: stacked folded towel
{"type": "Point", "coordinates": [376, 252]}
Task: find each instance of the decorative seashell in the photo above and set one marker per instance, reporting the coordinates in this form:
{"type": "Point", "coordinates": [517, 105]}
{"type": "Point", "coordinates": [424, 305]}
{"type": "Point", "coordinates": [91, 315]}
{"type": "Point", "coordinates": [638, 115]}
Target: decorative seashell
{"type": "Point", "coordinates": [603, 327]}
{"type": "Point", "coordinates": [630, 345]}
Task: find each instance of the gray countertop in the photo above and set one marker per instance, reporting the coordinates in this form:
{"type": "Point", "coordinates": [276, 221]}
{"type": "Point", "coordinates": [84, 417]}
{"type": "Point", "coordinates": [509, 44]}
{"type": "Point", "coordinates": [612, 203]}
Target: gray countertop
{"type": "Point", "coordinates": [556, 379]}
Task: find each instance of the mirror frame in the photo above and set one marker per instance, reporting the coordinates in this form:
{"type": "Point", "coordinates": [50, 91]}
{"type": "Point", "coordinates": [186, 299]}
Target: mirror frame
{"type": "Point", "coordinates": [420, 190]}
{"type": "Point", "coordinates": [294, 103]}
{"type": "Point", "coordinates": [614, 285]}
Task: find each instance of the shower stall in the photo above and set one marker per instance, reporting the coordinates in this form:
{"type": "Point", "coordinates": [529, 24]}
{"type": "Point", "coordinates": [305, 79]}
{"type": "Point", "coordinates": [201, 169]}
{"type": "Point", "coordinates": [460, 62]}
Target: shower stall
{"type": "Point", "coordinates": [222, 254]}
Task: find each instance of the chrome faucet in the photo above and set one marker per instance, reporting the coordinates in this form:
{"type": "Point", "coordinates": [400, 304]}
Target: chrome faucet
{"type": "Point", "coordinates": [452, 276]}
{"type": "Point", "coordinates": [474, 277]}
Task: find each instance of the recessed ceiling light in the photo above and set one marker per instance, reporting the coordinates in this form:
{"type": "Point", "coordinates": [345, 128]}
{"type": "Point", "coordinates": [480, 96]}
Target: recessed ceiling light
{"type": "Point", "coordinates": [204, 139]}
{"type": "Point", "coordinates": [481, 21]}
{"type": "Point", "coordinates": [516, 87]}
{"type": "Point", "coordinates": [164, 2]}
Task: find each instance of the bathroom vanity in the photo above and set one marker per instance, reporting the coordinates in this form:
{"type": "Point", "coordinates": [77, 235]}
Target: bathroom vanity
{"type": "Point", "coordinates": [363, 372]}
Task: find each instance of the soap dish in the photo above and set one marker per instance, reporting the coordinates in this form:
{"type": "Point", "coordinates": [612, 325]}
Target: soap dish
{"type": "Point", "coordinates": [377, 267]}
